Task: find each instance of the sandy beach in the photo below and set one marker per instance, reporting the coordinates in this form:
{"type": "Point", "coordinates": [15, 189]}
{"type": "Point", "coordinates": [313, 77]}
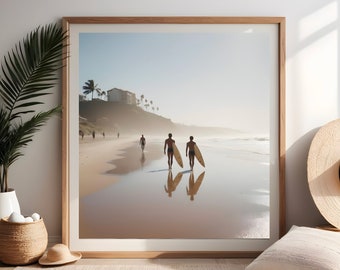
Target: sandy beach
{"type": "Point", "coordinates": [102, 159]}
{"type": "Point", "coordinates": [130, 195]}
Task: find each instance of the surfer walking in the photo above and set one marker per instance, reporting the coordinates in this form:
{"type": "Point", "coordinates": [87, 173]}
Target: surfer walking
{"type": "Point", "coordinates": [142, 142]}
{"type": "Point", "coordinates": [190, 149]}
{"type": "Point", "coordinates": [170, 150]}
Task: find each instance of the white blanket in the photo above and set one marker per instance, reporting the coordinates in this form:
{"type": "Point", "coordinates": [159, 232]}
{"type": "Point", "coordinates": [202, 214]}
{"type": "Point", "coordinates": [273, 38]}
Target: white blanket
{"type": "Point", "coordinates": [301, 248]}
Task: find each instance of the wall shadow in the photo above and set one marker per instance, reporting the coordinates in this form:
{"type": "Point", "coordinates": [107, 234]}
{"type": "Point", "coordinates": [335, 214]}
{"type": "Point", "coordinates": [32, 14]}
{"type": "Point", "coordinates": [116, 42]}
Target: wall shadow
{"type": "Point", "coordinates": [299, 201]}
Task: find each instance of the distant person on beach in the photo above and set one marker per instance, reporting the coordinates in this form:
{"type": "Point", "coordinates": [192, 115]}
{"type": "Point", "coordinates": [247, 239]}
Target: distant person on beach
{"type": "Point", "coordinates": [190, 146]}
{"type": "Point", "coordinates": [118, 135]}
{"type": "Point", "coordinates": [168, 143]}
{"type": "Point", "coordinates": [93, 134]}
{"type": "Point", "coordinates": [142, 142]}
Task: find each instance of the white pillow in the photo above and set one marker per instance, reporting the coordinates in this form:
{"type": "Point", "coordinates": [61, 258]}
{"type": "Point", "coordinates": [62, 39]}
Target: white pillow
{"type": "Point", "coordinates": [301, 248]}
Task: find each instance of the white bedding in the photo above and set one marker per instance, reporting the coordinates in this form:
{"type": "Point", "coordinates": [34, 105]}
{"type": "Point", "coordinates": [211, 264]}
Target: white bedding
{"type": "Point", "coordinates": [301, 248]}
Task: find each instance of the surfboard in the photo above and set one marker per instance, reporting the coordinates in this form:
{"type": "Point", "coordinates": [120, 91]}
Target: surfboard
{"type": "Point", "coordinates": [177, 155]}
{"type": "Point", "coordinates": [199, 156]}
{"type": "Point", "coordinates": [178, 178]}
{"type": "Point", "coordinates": [200, 177]}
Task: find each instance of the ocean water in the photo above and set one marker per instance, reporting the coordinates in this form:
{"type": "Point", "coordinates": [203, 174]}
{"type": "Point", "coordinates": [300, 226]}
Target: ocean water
{"type": "Point", "coordinates": [227, 199]}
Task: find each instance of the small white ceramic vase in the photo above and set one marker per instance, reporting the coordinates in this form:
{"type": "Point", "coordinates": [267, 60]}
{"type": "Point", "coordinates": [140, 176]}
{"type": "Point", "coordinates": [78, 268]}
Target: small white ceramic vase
{"type": "Point", "coordinates": [8, 203]}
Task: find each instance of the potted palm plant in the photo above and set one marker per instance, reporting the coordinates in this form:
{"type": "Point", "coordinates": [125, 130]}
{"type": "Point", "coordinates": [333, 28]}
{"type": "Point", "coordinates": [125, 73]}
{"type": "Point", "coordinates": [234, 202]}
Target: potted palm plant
{"type": "Point", "coordinates": [28, 72]}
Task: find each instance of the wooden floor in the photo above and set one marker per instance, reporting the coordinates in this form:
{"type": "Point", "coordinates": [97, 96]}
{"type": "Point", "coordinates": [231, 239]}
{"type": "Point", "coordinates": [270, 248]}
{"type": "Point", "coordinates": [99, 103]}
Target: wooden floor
{"type": "Point", "coordinates": [211, 262]}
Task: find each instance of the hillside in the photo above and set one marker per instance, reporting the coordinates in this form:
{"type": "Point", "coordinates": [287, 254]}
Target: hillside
{"type": "Point", "coordinates": [117, 117]}
{"type": "Point", "coordinates": [113, 117]}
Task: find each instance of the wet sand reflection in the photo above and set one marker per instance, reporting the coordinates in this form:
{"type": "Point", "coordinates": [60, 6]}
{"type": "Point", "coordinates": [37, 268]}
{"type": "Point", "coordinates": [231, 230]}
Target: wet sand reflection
{"type": "Point", "coordinates": [125, 193]}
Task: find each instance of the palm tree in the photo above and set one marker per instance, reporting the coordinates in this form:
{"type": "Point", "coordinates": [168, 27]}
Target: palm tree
{"type": "Point", "coordinates": [102, 93]}
{"type": "Point", "coordinates": [141, 98]}
{"type": "Point", "coordinates": [28, 72]}
{"type": "Point", "coordinates": [153, 108]}
{"type": "Point", "coordinates": [90, 87]}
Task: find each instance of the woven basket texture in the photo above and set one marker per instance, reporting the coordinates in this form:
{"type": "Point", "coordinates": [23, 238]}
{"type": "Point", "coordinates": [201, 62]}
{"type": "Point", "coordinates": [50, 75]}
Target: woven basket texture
{"type": "Point", "coordinates": [22, 243]}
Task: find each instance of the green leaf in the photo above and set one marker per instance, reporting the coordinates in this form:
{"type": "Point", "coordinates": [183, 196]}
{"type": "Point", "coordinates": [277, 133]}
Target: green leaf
{"type": "Point", "coordinates": [28, 72]}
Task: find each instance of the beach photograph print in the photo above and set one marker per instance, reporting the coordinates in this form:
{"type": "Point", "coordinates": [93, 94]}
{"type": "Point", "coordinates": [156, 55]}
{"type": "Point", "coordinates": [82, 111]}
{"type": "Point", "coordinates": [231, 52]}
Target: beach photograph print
{"type": "Point", "coordinates": [175, 131]}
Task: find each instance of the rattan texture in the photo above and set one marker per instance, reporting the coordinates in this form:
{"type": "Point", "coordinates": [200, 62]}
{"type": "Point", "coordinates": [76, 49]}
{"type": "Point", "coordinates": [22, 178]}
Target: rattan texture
{"type": "Point", "coordinates": [323, 171]}
{"type": "Point", "coordinates": [22, 243]}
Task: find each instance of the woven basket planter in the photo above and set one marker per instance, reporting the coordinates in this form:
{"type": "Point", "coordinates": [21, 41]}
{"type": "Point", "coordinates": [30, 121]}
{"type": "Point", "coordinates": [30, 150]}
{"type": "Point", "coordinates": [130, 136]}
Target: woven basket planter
{"type": "Point", "coordinates": [22, 243]}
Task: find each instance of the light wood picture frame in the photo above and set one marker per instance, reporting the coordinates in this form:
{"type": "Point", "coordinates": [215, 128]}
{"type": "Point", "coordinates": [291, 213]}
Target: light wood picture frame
{"type": "Point", "coordinates": [234, 66]}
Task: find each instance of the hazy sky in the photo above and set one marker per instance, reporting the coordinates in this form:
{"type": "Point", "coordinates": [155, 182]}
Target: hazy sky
{"type": "Point", "coordinates": [206, 79]}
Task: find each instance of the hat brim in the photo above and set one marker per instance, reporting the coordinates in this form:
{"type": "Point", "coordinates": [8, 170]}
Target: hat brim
{"type": "Point", "coordinates": [74, 256]}
{"type": "Point", "coordinates": [323, 171]}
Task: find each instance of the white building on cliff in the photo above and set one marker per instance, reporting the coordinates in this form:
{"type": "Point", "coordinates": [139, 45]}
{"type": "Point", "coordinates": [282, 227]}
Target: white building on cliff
{"type": "Point", "coordinates": [122, 96]}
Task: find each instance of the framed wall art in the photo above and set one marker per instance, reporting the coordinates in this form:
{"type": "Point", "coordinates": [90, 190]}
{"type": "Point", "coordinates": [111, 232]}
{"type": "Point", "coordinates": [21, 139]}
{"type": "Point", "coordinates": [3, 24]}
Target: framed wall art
{"type": "Point", "coordinates": [138, 94]}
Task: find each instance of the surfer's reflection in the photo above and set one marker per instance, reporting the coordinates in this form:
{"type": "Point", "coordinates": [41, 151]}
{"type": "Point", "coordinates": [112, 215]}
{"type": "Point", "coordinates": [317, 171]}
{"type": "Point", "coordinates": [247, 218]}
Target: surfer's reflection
{"type": "Point", "coordinates": [142, 160]}
{"type": "Point", "coordinates": [172, 183]}
{"type": "Point", "coordinates": [194, 186]}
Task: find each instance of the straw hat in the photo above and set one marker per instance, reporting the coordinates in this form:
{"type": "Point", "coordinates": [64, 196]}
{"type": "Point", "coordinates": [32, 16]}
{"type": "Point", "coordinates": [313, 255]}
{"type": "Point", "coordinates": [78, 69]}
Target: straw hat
{"type": "Point", "coordinates": [323, 171]}
{"type": "Point", "coordinates": [59, 254]}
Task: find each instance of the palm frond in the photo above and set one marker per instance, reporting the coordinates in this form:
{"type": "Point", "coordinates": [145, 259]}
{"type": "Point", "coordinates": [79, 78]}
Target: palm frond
{"type": "Point", "coordinates": [29, 70]}
{"type": "Point", "coordinates": [21, 134]}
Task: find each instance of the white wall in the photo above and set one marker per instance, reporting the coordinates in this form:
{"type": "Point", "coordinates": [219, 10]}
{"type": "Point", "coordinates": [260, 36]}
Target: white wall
{"type": "Point", "coordinates": [311, 95]}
